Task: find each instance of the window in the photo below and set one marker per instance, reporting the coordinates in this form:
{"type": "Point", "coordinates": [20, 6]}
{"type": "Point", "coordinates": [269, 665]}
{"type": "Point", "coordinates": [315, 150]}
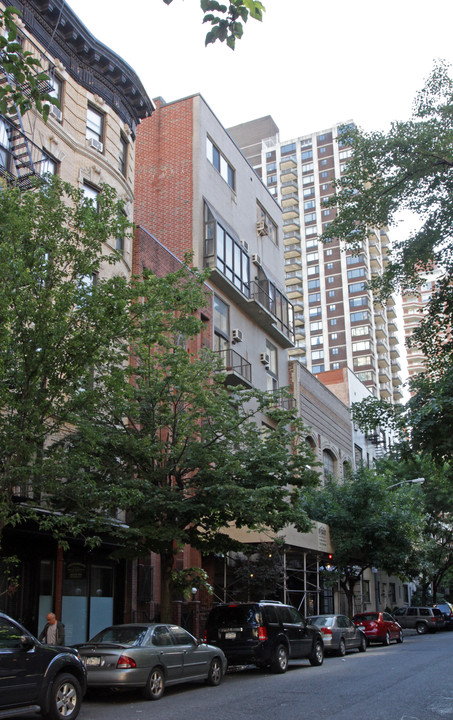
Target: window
{"type": "Point", "coordinates": [309, 205]}
{"type": "Point", "coordinates": [313, 312]}
{"type": "Point", "coordinates": [230, 257]}
{"type": "Point", "coordinates": [221, 164]}
{"type": "Point", "coordinates": [334, 336]}
{"type": "Point", "coordinates": [360, 330]}
{"type": "Point", "coordinates": [270, 228]}
{"type": "Point", "coordinates": [271, 167]}
{"type": "Point", "coordinates": [329, 266]}
{"type": "Point", "coordinates": [335, 366]}
{"type": "Point", "coordinates": [359, 316]}
{"type": "Point", "coordinates": [307, 167]}
{"type": "Point", "coordinates": [307, 155]}
{"type": "Point", "coordinates": [314, 297]}
{"type": "Point", "coordinates": [359, 346]}
{"type": "Point", "coordinates": [354, 259]}
{"type": "Point", "coordinates": [285, 149]}
{"type": "Point", "coordinates": [313, 270]}
{"type": "Point", "coordinates": [311, 230]}
{"type": "Point", "coordinates": [316, 340]}
{"type": "Point", "coordinates": [358, 301]}
{"type": "Point", "coordinates": [331, 279]}
{"type": "Point", "coordinates": [221, 324]}
{"type": "Point", "coordinates": [315, 326]}
{"type": "Point", "coordinates": [317, 369]}
{"type": "Point", "coordinates": [308, 180]}
{"type": "Point", "coordinates": [329, 252]}
{"type": "Point", "coordinates": [328, 463]}
{"type": "Point", "coordinates": [356, 273]}
{"type": "Point", "coordinates": [331, 293]}
{"type": "Point", "coordinates": [95, 127]}
{"type": "Point", "coordinates": [309, 191]}
{"type": "Point", "coordinates": [312, 284]}
{"type": "Point", "coordinates": [57, 93]}
{"type": "Point", "coordinates": [272, 179]}
{"type": "Point", "coordinates": [333, 321]}
{"type": "Point", "coordinates": [332, 307]}
{"type": "Point", "coordinates": [310, 217]}
{"type": "Point", "coordinates": [324, 174]}
{"type": "Point", "coordinates": [345, 154]}
{"type": "Point", "coordinates": [326, 213]}
{"type": "Point", "coordinates": [363, 360]}
{"type": "Point", "coordinates": [272, 370]}
{"type": "Point", "coordinates": [311, 257]}
{"type": "Point", "coordinates": [49, 166]}
{"type": "Point", "coordinates": [91, 194]}
{"type": "Point", "coordinates": [5, 155]}
{"type": "Point", "coordinates": [356, 287]}
{"type": "Point", "coordinates": [311, 243]}
{"type": "Point", "coordinates": [324, 186]}
{"type": "Point", "coordinates": [317, 355]}
{"type": "Point", "coordinates": [334, 351]}
{"type": "Point", "coordinates": [122, 155]}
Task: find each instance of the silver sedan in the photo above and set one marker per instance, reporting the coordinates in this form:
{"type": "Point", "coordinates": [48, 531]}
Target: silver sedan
{"type": "Point", "coordinates": [339, 633]}
{"type": "Point", "coordinates": [150, 657]}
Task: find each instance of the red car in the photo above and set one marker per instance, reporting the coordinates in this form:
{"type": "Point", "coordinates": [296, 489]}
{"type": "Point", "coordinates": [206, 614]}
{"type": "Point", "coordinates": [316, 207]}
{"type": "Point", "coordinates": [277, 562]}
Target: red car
{"type": "Point", "coordinates": [379, 627]}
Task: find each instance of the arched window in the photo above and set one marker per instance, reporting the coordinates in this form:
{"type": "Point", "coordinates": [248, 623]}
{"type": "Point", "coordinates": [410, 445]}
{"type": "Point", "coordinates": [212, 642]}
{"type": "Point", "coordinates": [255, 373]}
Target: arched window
{"type": "Point", "coordinates": [328, 462]}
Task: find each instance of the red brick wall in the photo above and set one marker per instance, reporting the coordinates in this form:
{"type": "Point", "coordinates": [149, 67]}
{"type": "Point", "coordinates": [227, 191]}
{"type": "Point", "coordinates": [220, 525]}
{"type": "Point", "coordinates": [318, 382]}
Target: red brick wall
{"type": "Point", "coordinates": [164, 175]}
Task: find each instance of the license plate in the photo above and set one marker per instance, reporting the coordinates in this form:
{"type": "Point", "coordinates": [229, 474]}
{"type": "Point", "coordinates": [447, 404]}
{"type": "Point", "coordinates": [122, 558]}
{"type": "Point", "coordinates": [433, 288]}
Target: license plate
{"type": "Point", "coordinates": [230, 636]}
{"type": "Point", "coordinates": [92, 661]}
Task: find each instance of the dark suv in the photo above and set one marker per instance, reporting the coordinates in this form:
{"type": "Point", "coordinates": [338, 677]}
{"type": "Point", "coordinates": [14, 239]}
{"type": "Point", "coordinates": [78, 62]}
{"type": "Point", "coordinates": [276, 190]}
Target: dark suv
{"type": "Point", "coordinates": [264, 634]}
{"type": "Point", "coordinates": [36, 677]}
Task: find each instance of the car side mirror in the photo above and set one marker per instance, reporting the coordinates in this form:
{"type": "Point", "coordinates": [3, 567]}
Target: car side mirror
{"type": "Point", "coordinates": [26, 642]}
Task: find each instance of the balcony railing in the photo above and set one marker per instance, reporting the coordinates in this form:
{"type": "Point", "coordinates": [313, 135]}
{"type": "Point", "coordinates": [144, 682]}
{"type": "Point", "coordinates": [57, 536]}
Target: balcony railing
{"type": "Point", "coordinates": [237, 368]}
{"type": "Point", "coordinates": [20, 158]}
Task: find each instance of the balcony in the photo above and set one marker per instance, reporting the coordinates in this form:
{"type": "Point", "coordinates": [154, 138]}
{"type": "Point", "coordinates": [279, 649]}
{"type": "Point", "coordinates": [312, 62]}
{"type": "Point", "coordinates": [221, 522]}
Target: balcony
{"type": "Point", "coordinates": [291, 224]}
{"type": "Point", "coordinates": [288, 175]}
{"type": "Point", "coordinates": [383, 360]}
{"type": "Point", "coordinates": [271, 310]}
{"type": "Point", "coordinates": [288, 163]}
{"type": "Point", "coordinates": [397, 394]}
{"type": "Point", "coordinates": [238, 370]}
{"type": "Point", "coordinates": [293, 251]}
{"type": "Point", "coordinates": [288, 187]}
{"type": "Point", "coordinates": [293, 264]}
{"type": "Point", "coordinates": [282, 401]}
{"type": "Point", "coordinates": [295, 292]}
{"type": "Point", "coordinates": [290, 236]}
{"type": "Point", "coordinates": [290, 212]}
{"type": "Point", "coordinates": [290, 199]}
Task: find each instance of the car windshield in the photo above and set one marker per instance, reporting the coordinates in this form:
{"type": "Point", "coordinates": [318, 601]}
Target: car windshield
{"type": "Point", "coordinates": [366, 617]}
{"type": "Point", "coordinates": [127, 635]}
{"type": "Point", "coordinates": [322, 620]}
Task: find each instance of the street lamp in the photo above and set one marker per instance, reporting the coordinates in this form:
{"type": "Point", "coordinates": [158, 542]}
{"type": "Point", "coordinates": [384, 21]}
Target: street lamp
{"type": "Point", "coordinates": [415, 481]}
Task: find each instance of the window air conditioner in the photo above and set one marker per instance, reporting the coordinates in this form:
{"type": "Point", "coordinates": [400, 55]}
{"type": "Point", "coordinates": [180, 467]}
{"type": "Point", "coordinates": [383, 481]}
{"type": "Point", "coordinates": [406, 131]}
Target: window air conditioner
{"type": "Point", "coordinates": [261, 227]}
{"type": "Point", "coordinates": [236, 336]}
{"type": "Point", "coordinates": [56, 112]}
{"type": "Point", "coordinates": [265, 359]}
{"type": "Point", "coordinates": [256, 260]}
{"type": "Point", "coordinates": [96, 144]}
{"type": "Point", "coordinates": [245, 245]}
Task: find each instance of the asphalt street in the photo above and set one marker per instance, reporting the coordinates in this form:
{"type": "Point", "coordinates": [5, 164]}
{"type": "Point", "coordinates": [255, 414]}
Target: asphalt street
{"type": "Point", "coordinates": [412, 681]}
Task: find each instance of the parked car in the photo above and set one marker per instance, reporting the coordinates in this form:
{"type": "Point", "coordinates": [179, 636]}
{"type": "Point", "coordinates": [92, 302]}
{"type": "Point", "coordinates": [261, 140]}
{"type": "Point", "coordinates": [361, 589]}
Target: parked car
{"type": "Point", "coordinates": [38, 678]}
{"type": "Point", "coordinates": [421, 619]}
{"type": "Point", "coordinates": [263, 634]}
{"type": "Point", "coordinates": [149, 656]}
{"type": "Point", "coordinates": [339, 633]}
{"type": "Point", "coordinates": [446, 609]}
{"type": "Point", "coordinates": [379, 627]}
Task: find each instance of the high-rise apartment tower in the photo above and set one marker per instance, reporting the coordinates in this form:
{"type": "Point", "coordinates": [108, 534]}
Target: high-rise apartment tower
{"type": "Point", "coordinates": [338, 323]}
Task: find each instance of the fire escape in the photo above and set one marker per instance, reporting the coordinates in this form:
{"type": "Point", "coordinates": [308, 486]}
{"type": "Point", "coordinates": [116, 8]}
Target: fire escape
{"type": "Point", "coordinates": [21, 159]}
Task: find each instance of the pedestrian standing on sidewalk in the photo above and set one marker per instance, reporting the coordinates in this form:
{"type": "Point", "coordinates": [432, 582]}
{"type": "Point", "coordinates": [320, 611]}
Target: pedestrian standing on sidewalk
{"type": "Point", "coordinates": [53, 631]}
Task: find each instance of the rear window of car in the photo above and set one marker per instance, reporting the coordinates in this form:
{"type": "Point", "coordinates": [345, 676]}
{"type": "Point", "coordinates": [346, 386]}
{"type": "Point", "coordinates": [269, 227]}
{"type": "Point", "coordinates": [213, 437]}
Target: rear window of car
{"type": "Point", "coordinates": [232, 615]}
{"type": "Point", "coordinates": [322, 621]}
{"type": "Point", "coordinates": [436, 611]}
{"type": "Point", "coordinates": [134, 635]}
{"type": "Point", "coordinates": [366, 617]}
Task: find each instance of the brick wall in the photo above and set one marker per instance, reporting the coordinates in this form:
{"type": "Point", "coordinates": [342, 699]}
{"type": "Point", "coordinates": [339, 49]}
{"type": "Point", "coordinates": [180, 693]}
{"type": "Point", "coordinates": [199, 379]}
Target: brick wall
{"type": "Point", "coordinates": [164, 175]}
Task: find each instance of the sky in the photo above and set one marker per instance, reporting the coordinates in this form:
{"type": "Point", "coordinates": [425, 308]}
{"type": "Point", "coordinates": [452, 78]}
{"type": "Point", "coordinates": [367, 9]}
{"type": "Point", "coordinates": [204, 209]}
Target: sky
{"type": "Point", "coordinates": [308, 64]}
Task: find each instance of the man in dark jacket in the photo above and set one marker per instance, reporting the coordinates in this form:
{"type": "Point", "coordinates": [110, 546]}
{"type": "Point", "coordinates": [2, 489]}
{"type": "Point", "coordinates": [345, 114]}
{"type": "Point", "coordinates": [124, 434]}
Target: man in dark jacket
{"type": "Point", "coordinates": [53, 631]}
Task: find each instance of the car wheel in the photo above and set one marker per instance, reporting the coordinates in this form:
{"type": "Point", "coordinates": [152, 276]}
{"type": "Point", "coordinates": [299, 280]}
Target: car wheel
{"type": "Point", "coordinates": [215, 673]}
{"type": "Point", "coordinates": [341, 648]}
{"type": "Point", "coordinates": [421, 628]}
{"type": "Point", "coordinates": [317, 653]}
{"type": "Point", "coordinates": [386, 640]}
{"type": "Point", "coordinates": [155, 686]}
{"type": "Point", "coordinates": [363, 644]}
{"type": "Point", "coordinates": [399, 639]}
{"type": "Point", "coordinates": [65, 698]}
{"type": "Point", "coordinates": [280, 660]}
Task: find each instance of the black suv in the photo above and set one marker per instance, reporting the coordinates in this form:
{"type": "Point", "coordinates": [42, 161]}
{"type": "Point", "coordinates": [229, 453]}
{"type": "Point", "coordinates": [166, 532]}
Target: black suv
{"type": "Point", "coordinates": [36, 677]}
{"type": "Point", "coordinates": [264, 634]}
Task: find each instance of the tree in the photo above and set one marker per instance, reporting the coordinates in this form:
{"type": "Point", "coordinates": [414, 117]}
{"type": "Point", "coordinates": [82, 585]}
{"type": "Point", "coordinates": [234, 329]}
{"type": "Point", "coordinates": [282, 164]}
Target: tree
{"type": "Point", "coordinates": [26, 83]}
{"type": "Point", "coordinates": [227, 20]}
{"type": "Point", "coordinates": [168, 443]}
{"type": "Point", "coordinates": [56, 325]}
{"type": "Point", "coordinates": [370, 526]}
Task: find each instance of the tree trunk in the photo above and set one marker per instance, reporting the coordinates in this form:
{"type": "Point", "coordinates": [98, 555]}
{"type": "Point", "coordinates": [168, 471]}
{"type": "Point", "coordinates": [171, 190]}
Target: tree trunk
{"type": "Point", "coordinates": [166, 568]}
{"type": "Point", "coordinates": [348, 587]}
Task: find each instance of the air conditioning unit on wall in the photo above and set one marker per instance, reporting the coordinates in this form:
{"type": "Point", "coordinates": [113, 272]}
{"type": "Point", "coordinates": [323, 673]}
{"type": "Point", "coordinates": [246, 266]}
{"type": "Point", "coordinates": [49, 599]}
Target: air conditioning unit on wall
{"type": "Point", "coordinates": [56, 112]}
{"type": "Point", "coordinates": [265, 359]}
{"type": "Point", "coordinates": [261, 228]}
{"type": "Point", "coordinates": [96, 144]}
{"type": "Point", "coordinates": [256, 260]}
{"type": "Point", "coordinates": [236, 336]}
